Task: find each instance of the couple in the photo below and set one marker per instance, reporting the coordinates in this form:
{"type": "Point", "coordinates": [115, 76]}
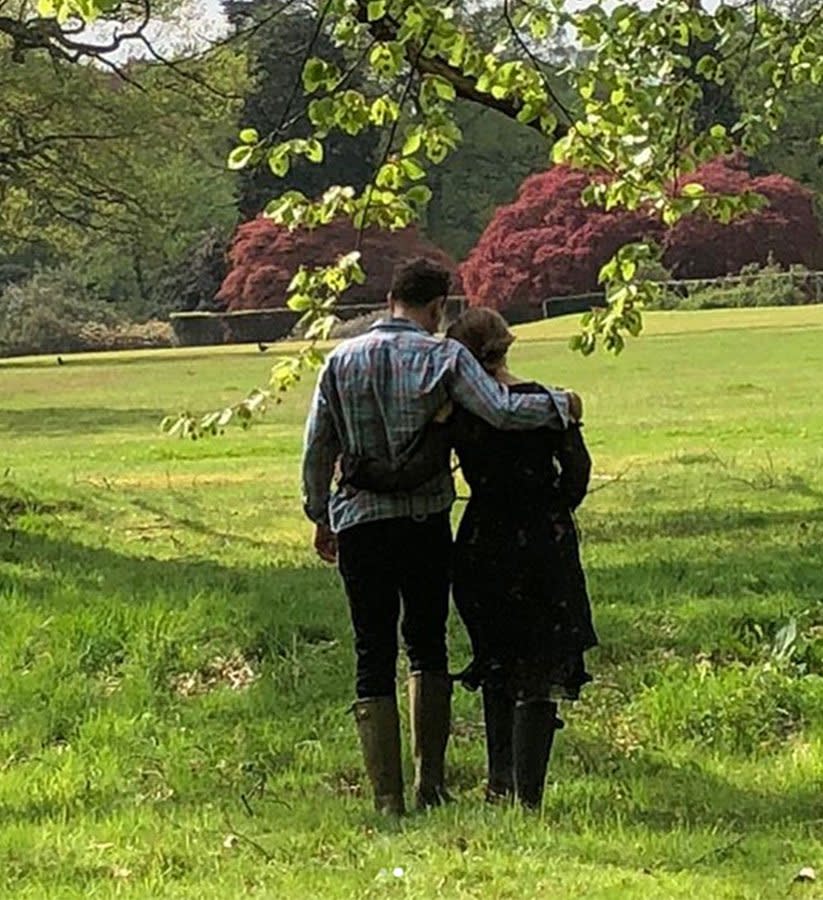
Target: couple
{"type": "Point", "coordinates": [376, 428]}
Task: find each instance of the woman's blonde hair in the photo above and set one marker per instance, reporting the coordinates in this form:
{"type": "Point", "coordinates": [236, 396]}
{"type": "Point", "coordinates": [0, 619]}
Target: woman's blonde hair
{"type": "Point", "coordinates": [485, 333]}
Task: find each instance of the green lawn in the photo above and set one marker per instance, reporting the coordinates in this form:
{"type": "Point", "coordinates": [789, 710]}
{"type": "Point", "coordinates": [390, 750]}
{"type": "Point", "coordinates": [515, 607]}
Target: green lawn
{"type": "Point", "coordinates": [175, 667]}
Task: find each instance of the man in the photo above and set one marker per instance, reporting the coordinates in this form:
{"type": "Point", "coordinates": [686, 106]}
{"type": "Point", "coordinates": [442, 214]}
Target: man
{"type": "Point", "coordinates": [375, 397]}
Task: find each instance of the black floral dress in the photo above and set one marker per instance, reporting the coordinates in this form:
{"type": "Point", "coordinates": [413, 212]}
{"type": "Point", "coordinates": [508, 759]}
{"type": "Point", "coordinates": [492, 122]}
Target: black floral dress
{"type": "Point", "coordinates": [518, 582]}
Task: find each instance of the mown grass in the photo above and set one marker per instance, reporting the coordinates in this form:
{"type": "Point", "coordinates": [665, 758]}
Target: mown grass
{"type": "Point", "coordinates": [175, 666]}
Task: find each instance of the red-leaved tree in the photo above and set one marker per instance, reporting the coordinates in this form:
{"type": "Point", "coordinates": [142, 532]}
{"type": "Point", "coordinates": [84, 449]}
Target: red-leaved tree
{"type": "Point", "coordinates": [785, 229]}
{"type": "Point", "coordinates": [547, 243]}
{"type": "Point", "coordinates": [264, 257]}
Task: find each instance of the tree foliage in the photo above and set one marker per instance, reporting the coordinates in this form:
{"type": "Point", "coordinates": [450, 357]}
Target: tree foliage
{"type": "Point", "coordinates": [484, 172]}
{"type": "Point", "coordinates": [795, 149]}
{"type": "Point", "coordinates": [264, 258]}
{"type": "Point", "coordinates": [122, 169]}
{"type": "Point", "coordinates": [276, 47]}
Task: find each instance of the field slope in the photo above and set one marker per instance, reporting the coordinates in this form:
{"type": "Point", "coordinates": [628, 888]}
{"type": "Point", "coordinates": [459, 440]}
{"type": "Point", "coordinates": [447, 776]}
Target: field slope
{"type": "Point", "coordinates": [175, 667]}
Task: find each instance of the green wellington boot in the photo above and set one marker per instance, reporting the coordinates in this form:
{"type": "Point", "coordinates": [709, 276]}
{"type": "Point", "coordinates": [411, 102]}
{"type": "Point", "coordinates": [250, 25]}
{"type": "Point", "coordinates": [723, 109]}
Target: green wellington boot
{"type": "Point", "coordinates": [379, 728]}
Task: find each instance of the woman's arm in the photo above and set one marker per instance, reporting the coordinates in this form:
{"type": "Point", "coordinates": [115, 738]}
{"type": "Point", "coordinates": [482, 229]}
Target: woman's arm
{"type": "Point", "coordinates": [575, 466]}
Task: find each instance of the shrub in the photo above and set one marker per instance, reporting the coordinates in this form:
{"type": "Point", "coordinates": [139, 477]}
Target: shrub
{"type": "Point", "coordinates": [12, 273]}
{"type": "Point", "coordinates": [47, 314]}
{"type": "Point", "coordinates": [264, 257]}
{"type": "Point", "coordinates": [786, 231]}
{"type": "Point", "coordinates": [126, 336]}
{"type": "Point", "coordinates": [192, 282]}
{"type": "Point", "coordinates": [768, 285]}
{"type": "Point", "coordinates": [548, 244]}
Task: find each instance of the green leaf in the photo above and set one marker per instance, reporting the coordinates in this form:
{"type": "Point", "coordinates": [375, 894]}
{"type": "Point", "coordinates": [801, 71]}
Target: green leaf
{"type": "Point", "coordinates": [412, 169]}
{"type": "Point", "coordinates": [670, 215]}
{"type": "Point", "coordinates": [560, 149]}
{"type": "Point", "coordinates": [540, 26]}
{"type": "Point", "coordinates": [607, 272]}
{"type": "Point", "coordinates": [444, 89]}
{"type": "Point", "coordinates": [420, 194]}
{"type": "Point", "coordinates": [314, 150]}
{"type": "Point", "coordinates": [692, 189]}
{"type": "Point", "coordinates": [314, 74]}
{"type": "Point", "coordinates": [680, 33]}
{"type": "Point", "coordinates": [528, 113]}
{"type": "Point", "coordinates": [376, 10]}
{"type": "Point", "coordinates": [322, 112]}
{"type": "Point", "coordinates": [628, 268]}
{"type": "Point", "coordinates": [388, 176]}
{"type": "Point", "coordinates": [706, 67]}
{"type": "Point", "coordinates": [240, 157]}
{"type": "Point", "coordinates": [249, 136]}
{"type": "Point", "coordinates": [299, 302]}
{"type": "Point", "coordinates": [412, 143]}
{"type": "Point", "coordinates": [382, 110]}
{"type": "Point", "coordinates": [279, 161]}
{"type": "Point", "coordinates": [548, 123]}
{"type": "Point", "coordinates": [633, 322]}
{"type": "Point", "coordinates": [436, 152]}
{"type": "Point", "coordinates": [386, 58]}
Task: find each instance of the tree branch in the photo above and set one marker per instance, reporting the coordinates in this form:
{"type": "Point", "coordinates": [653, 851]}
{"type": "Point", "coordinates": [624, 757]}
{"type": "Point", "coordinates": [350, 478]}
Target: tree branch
{"type": "Point", "coordinates": [182, 73]}
{"type": "Point", "coordinates": [539, 67]}
{"type": "Point", "coordinates": [38, 33]}
{"type": "Point", "coordinates": [465, 86]}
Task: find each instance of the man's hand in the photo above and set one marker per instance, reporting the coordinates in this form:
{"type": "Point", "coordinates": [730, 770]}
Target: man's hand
{"type": "Point", "coordinates": [325, 543]}
{"type": "Point", "coordinates": [575, 406]}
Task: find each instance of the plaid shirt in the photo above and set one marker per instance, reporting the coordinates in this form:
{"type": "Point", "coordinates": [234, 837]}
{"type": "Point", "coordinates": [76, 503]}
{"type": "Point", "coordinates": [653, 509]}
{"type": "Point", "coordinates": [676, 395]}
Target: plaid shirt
{"type": "Point", "coordinates": [391, 383]}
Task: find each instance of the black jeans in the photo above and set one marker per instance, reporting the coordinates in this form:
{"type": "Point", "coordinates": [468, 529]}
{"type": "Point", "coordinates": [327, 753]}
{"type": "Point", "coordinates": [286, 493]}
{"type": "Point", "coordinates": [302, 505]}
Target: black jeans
{"type": "Point", "coordinates": [382, 562]}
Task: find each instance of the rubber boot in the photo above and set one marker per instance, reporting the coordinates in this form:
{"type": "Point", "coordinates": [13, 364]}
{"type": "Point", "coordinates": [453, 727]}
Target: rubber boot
{"type": "Point", "coordinates": [430, 717]}
{"type": "Point", "coordinates": [498, 713]}
{"type": "Point", "coordinates": [379, 728]}
{"type": "Point", "coordinates": [535, 722]}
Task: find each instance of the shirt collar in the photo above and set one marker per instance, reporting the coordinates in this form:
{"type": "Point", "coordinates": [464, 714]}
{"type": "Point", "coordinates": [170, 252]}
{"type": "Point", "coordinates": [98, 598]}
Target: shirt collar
{"type": "Point", "coordinates": [397, 324]}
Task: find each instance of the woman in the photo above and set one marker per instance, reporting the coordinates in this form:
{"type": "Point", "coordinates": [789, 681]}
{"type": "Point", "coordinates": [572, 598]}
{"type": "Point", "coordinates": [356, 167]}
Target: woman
{"type": "Point", "coordinates": [518, 582]}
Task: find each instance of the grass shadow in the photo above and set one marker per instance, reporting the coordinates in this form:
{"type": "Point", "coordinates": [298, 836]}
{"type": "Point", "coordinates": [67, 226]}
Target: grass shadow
{"type": "Point", "coordinates": [693, 523]}
{"type": "Point", "coordinates": [48, 421]}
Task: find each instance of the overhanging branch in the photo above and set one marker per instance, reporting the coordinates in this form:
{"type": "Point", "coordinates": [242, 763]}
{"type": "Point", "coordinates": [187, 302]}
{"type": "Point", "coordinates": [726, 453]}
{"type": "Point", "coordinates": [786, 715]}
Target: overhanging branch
{"type": "Point", "coordinates": [465, 86]}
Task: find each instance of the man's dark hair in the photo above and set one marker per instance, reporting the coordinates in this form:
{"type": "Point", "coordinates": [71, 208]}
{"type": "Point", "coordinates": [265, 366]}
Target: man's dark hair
{"type": "Point", "coordinates": [417, 282]}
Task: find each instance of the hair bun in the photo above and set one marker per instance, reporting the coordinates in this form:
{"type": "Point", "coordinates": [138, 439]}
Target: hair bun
{"type": "Point", "coordinates": [484, 332]}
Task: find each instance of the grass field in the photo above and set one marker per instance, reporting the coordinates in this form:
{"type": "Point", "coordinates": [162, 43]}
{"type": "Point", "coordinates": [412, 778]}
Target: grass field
{"type": "Point", "coordinates": [175, 666]}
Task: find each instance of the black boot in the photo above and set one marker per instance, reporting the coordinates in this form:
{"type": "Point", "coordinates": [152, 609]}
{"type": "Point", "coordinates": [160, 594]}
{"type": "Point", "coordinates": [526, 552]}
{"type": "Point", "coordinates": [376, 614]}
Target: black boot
{"type": "Point", "coordinates": [498, 713]}
{"type": "Point", "coordinates": [535, 722]}
{"type": "Point", "coordinates": [430, 718]}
